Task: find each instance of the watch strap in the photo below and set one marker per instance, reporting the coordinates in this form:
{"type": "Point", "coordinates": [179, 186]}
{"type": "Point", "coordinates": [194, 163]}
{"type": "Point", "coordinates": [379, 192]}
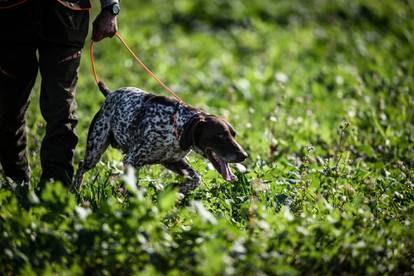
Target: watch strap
{"type": "Point", "coordinates": [107, 3]}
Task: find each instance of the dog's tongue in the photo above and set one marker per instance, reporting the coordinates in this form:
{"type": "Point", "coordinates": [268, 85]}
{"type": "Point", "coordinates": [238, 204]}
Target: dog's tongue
{"type": "Point", "coordinates": [221, 166]}
{"type": "Point", "coordinates": [225, 171]}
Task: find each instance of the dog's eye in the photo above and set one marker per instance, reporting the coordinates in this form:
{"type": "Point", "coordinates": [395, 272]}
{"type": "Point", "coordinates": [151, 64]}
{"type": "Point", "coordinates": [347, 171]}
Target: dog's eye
{"type": "Point", "coordinates": [222, 136]}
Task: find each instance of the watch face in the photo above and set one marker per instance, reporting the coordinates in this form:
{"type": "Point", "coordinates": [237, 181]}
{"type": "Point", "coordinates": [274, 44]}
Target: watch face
{"type": "Point", "coordinates": [115, 9]}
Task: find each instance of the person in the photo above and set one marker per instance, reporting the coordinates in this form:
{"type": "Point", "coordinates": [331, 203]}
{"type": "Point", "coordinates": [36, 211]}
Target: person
{"type": "Point", "coordinates": [45, 35]}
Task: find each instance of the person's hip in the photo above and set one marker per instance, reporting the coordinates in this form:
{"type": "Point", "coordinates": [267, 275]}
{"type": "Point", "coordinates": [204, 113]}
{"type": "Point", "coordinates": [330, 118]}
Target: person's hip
{"type": "Point", "coordinates": [58, 21]}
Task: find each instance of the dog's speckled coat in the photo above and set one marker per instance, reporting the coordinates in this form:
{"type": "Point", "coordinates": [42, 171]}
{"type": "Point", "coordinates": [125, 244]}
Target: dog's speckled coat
{"type": "Point", "coordinates": [141, 125]}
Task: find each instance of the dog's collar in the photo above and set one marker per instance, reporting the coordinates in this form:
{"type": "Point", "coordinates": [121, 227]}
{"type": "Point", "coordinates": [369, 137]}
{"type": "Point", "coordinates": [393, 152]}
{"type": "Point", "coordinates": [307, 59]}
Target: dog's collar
{"type": "Point", "coordinates": [179, 132]}
{"type": "Point", "coordinates": [187, 125]}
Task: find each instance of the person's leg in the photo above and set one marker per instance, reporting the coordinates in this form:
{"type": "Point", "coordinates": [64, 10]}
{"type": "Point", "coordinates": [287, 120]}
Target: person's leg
{"type": "Point", "coordinates": [18, 70]}
{"type": "Point", "coordinates": [59, 70]}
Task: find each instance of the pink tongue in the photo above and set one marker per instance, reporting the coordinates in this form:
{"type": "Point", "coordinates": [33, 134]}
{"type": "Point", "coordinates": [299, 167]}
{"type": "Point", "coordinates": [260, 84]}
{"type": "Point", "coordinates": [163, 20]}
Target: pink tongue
{"type": "Point", "coordinates": [225, 172]}
{"type": "Point", "coordinates": [220, 165]}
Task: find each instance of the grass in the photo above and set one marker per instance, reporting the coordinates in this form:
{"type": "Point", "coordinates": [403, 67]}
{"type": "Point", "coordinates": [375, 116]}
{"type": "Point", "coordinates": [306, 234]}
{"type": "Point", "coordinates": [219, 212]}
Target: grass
{"type": "Point", "coordinates": [321, 95]}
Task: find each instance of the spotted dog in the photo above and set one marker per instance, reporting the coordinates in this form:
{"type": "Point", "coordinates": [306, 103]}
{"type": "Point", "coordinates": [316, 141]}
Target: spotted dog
{"type": "Point", "coordinates": [152, 129]}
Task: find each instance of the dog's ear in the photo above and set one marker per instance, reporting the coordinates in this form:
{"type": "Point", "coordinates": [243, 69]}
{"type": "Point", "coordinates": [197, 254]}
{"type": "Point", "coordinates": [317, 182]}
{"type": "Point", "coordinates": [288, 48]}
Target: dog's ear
{"type": "Point", "coordinates": [231, 129]}
{"type": "Point", "coordinates": [188, 135]}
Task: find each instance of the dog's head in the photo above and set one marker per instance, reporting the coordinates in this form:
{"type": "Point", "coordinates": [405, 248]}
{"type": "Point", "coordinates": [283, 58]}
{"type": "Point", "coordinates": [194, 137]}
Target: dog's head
{"type": "Point", "coordinates": [214, 138]}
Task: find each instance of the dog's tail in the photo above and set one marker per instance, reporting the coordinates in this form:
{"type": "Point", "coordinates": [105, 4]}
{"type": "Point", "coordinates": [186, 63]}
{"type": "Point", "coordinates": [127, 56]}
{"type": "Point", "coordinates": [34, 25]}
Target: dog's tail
{"type": "Point", "coordinates": [104, 89]}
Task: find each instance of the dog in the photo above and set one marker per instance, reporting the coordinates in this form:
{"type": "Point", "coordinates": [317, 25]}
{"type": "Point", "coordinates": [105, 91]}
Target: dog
{"type": "Point", "coordinates": [152, 129]}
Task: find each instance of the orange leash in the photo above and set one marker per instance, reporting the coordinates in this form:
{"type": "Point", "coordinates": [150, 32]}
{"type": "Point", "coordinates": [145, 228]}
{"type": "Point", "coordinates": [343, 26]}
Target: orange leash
{"type": "Point", "coordinates": [174, 119]}
{"type": "Point", "coordinates": [139, 62]}
{"type": "Point", "coordinates": [93, 62]}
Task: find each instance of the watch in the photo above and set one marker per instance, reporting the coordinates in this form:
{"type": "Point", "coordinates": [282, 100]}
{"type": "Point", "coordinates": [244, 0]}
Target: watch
{"type": "Point", "coordinates": [114, 8]}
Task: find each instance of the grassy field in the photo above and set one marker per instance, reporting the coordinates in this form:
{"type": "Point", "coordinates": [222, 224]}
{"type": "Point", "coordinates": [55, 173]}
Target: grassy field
{"type": "Point", "coordinates": [321, 94]}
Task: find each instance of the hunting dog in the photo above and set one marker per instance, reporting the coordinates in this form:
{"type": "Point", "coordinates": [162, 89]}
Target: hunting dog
{"type": "Point", "coordinates": [152, 129]}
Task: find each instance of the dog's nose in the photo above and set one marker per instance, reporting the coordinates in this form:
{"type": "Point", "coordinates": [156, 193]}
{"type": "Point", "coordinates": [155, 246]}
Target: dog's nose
{"type": "Point", "coordinates": [242, 156]}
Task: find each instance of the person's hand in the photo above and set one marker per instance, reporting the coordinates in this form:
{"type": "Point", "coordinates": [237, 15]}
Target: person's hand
{"type": "Point", "coordinates": [105, 25]}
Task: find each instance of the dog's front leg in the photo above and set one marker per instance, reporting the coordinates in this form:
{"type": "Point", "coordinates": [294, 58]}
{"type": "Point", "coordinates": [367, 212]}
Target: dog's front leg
{"type": "Point", "coordinates": [182, 168]}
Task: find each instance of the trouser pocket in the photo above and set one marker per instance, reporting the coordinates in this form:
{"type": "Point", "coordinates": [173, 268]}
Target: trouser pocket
{"type": "Point", "coordinates": [16, 19]}
{"type": "Point", "coordinates": [66, 22]}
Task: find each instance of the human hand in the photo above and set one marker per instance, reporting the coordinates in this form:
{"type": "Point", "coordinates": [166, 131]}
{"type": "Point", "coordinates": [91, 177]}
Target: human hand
{"type": "Point", "coordinates": [105, 25]}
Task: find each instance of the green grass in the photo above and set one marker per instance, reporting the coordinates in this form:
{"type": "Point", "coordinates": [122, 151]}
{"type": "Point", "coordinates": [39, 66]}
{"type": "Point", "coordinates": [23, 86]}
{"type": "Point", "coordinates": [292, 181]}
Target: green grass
{"type": "Point", "coordinates": [321, 95]}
